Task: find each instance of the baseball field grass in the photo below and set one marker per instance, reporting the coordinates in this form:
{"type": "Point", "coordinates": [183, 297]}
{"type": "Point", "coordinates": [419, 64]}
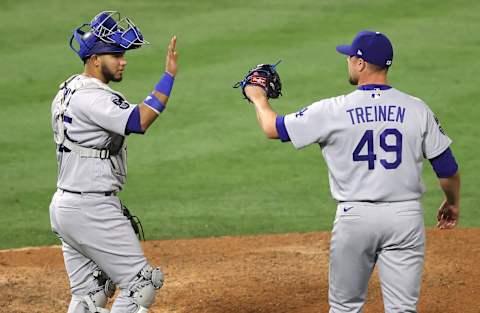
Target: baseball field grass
{"type": "Point", "coordinates": [204, 168]}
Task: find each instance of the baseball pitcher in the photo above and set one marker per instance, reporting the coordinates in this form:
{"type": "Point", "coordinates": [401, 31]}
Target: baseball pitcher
{"type": "Point", "coordinates": [91, 122]}
{"type": "Point", "coordinates": [374, 141]}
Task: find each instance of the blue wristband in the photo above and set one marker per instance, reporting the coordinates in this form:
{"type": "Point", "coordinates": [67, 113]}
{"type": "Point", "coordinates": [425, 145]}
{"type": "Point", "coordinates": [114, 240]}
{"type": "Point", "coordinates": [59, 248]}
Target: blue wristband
{"type": "Point", "coordinates": [155, 104]}
{"type": "Point", "coordinates": [165, 84]}
{"type": "Point", "coordinates": [281, 129]}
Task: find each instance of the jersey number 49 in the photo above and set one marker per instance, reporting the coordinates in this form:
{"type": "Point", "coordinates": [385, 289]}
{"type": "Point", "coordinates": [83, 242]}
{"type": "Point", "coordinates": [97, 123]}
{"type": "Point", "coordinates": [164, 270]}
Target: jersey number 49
{"type": "Point", "coordinates": [370, 157]}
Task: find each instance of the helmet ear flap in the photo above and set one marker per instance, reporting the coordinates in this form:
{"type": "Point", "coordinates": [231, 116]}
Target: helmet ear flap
{"type": "Point", "coordinates": [84, 39]}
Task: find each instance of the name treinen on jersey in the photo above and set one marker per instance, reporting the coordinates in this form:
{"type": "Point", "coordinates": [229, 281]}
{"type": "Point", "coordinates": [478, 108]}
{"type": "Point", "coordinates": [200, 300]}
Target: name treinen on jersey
{"type": "Point", "coordinates": [377, 113]}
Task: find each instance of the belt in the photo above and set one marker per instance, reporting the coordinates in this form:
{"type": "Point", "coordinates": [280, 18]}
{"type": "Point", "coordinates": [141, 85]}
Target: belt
{"type": "Point", "coordinates": [106, 193]}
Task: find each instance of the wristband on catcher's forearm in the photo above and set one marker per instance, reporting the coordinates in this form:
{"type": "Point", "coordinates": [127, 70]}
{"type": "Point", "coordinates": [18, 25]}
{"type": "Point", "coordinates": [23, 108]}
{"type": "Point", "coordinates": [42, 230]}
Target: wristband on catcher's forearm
{"type": "Point", "coordinates": [165, 84]}
{"type": "Point", "coordinates": [154, 103]}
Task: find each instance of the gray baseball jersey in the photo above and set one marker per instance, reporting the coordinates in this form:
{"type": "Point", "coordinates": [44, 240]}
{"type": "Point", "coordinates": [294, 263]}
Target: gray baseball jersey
{"type": "Point", "coordinates": [96, 117]}
{"type": "Point", "coordinates": [373, 142]}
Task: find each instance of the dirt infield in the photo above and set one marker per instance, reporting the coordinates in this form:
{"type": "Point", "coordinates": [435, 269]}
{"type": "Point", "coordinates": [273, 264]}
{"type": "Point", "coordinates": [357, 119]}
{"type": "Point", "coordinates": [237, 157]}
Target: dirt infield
{"type": "Point", "coordinates": [264, 274]}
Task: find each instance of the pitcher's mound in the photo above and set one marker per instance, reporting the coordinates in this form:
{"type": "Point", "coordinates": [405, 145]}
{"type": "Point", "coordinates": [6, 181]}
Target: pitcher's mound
{"type": "Point", "coordinates": [265, 274]}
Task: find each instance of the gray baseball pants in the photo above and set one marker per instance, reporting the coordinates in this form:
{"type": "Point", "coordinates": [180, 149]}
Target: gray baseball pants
{"type": "Point", "coordinates": [96, 235]}
{"type": "Point", "coordinates": [390, 235]}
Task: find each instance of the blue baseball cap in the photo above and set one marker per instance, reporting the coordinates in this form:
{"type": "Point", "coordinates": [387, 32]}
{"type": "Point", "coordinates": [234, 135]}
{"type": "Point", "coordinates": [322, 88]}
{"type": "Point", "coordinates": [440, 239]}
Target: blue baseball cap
{"type": "Point", "coordinates": [373, 47]}
{"type": "Point", "coordinates": [89, 44]}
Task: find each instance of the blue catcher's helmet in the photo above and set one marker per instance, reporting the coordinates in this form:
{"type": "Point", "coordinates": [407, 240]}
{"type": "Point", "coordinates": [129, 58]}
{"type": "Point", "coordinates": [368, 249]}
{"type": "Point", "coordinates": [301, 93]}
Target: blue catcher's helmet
{"type": "Point", "coordinates": [106, 33]}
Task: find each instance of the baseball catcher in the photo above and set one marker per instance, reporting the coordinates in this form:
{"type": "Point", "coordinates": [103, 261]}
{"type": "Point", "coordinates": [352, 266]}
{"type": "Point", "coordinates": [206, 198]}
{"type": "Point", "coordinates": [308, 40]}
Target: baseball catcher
{"type": "Point", "coordinates": [91, 123]}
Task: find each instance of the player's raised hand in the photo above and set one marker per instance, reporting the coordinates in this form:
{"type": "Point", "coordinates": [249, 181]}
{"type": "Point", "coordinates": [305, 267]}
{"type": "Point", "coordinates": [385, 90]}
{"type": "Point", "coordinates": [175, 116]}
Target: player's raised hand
{"type": "Point", "coordinates": [447, 216]}
{"type": "Point", "coordinates": [172, 56]}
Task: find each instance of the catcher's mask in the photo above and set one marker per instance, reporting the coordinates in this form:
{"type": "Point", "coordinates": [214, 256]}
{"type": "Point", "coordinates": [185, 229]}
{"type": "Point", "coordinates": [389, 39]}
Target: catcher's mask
{"type": "Point", "coordinates": [108, 32]}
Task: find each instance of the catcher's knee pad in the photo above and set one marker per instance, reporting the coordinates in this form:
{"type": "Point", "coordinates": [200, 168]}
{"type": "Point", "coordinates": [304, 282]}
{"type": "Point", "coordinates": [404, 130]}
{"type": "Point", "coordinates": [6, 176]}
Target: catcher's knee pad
{"type": "Point", "coordinates": [97, 298]}
{"type": "Point", "coordinates": [142, 289]}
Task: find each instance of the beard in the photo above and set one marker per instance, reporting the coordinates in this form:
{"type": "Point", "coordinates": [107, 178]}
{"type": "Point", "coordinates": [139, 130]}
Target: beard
{"type": "Point", "coordinates": [109, 76]}
{"type": "Point", "coordinates": [353, 81]}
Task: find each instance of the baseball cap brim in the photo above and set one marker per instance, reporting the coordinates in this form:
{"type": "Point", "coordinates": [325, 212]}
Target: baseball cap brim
{"type": "Point", "coordinates": [345, 49]}
{"type": "Point", "coordinates": [101, 47]}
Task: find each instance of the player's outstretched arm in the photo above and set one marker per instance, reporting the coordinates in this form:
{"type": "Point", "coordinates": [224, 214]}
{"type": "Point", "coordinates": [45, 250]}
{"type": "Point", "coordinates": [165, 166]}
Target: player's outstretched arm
{"type": "Point", "coordinates": [266, 116]}
{"type": "Point", "coordinates": [156, 102]}
{"type": "Point", "coordinates": [449, 211]}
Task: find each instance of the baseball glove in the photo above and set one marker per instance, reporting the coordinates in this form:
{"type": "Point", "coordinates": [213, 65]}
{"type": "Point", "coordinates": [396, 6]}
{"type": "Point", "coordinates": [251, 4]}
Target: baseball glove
{"type": "Point", "coordinates": [264, 76]}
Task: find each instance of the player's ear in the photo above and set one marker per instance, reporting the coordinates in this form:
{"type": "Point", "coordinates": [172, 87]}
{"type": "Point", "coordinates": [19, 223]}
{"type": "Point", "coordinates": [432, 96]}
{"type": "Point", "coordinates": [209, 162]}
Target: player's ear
{"type": "Point", "coordinates": [361, 64]}
{"type": "Point", "coordinates": [95, 59]}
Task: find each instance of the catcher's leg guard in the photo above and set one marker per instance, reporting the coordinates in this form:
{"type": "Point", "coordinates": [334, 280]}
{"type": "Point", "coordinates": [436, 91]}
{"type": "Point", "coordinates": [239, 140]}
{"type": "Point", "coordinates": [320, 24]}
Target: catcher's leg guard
{"type": "Point", "coordinates": [142, 289]}
{"type": "Point", "coordinates": [97, 298]}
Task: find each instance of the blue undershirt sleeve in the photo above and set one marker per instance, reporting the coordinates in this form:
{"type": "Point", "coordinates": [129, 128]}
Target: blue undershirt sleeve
{"type": "Point", "coordinates": [281, 129]}
{"type": "Point", "coordinates": [444, 165]}
{"type": "Point", "coordinates": [133, 123]}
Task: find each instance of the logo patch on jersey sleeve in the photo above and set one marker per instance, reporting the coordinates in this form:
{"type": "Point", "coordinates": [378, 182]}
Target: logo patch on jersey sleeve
{"type": "Point", "coordinates": [439, 125]}
{"type": "Point", "coordinates": [300, 113]}
{"type": "Point", "coordinates": [120, 102]}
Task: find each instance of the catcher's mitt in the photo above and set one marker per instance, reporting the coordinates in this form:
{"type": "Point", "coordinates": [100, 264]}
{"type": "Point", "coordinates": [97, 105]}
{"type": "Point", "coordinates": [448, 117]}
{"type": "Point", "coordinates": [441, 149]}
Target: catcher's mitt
{"type": "Point", "coordinates": [265, 76]}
